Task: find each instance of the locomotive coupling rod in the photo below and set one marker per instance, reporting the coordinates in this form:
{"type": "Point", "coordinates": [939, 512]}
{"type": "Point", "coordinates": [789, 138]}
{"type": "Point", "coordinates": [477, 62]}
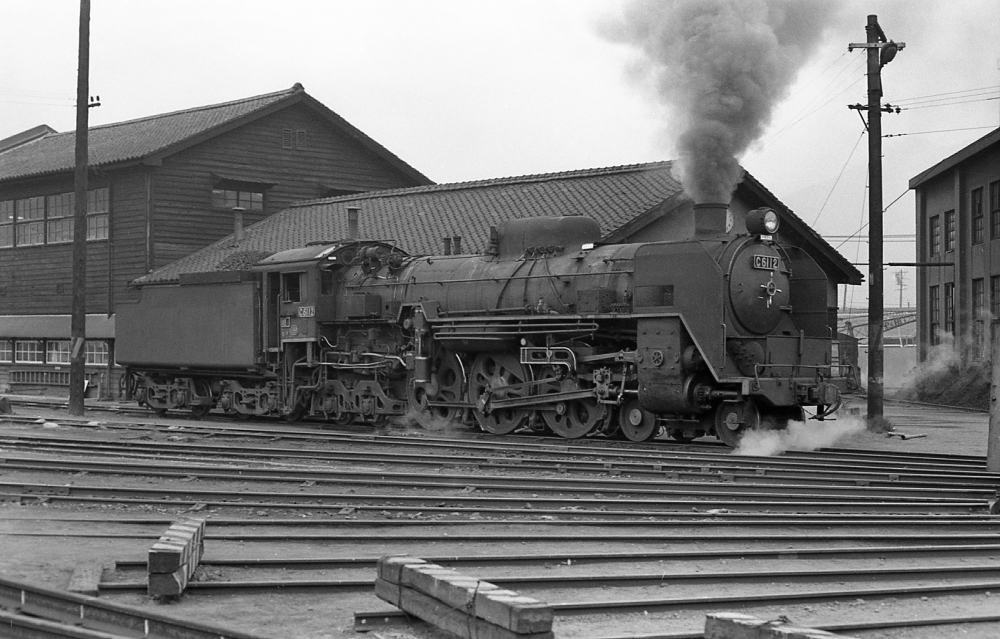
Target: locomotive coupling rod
{"type": "Point", "coordinates": [538, 400]}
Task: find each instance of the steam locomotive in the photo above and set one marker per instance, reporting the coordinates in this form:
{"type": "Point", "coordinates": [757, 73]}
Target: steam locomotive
{"type": "Point", "coordinates": [549, 329]}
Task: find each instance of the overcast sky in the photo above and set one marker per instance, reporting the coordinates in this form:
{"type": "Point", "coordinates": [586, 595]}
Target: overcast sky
{"type": "Point", "coordinates": [473, 89]}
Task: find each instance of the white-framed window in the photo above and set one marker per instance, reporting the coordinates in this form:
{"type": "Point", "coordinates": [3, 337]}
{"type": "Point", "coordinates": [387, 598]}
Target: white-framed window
{"type": "Point", "coordinates": [57, 351]}
{"type": "Point", "coordinates": [29, 221]}
{"type": "Point", "coordinates": [6, 351]}
{"type": "Point", "coordinates": [96, 352]}
{"type": "Point", "coordinates": [28, 351]}
{"type": "Point", "coordinates": [97, 214]}
{"type": "Point", "coordinates": [6, 223]}
{"type": "Point", "coordinates": [60, 218]}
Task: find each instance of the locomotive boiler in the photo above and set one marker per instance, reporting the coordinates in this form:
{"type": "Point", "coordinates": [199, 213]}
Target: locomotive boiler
{"type": "Point", "coordinates": [548, 329]}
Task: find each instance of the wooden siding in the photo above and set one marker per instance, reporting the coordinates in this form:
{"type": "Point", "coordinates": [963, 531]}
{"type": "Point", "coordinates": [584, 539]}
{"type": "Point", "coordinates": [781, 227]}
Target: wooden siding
{"type": "Point", "coordinates": [184, 218]}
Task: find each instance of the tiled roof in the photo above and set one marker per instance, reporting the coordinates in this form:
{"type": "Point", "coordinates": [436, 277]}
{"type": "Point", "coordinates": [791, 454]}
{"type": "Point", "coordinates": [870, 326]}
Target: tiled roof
{"type": "Point", "coordinates": [419, 217]}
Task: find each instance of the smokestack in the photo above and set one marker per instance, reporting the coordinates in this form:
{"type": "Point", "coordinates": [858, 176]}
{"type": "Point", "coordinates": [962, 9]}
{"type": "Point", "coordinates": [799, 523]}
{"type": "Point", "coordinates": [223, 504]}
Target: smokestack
{"type": "Point", "coordinates": [238, 223]}
{"type": "Point", "coordinates": [352, 222]}
{"type": "Point", "coordinates": [456, 242]}
{"type": "Point", "coordinates": [447, 245]}
{"type": "Point", "coordinates": [710, 219]}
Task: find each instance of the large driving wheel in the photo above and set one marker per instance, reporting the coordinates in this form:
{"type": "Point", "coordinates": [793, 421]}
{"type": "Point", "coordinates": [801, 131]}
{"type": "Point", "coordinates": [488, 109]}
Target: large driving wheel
{"type": "Point", "coordinates": [576, 418]}
{"type": "Point", "coordinates": [636, 423]}
{"type": "Point", "coordinates": [733, 419]}
{"type": "Point", "coordinates": [491, 377]}
{"type": "Point", "coordinates": [446, 386]}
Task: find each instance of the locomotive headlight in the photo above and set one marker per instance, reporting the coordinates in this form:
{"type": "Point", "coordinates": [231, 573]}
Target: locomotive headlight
{"type": "Point", "coordinates": [763, 221]}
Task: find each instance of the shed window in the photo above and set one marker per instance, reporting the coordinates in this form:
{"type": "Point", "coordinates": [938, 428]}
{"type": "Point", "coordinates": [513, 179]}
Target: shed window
{"type": "Point", "coordinates": [934, 298]}
{"type": "Point", "coordinates": [57, 352]}
{"type": "Point", "coordinates": [995, 210]}
{"type": "Point", "coordinates": [934, 234]}
{"type": "Point", "coordinates": [49, 219]}
{"type": "Point", "coordinates": [6, 350]}
{"type": "Point", "coordinates": [949, 308]}
{"type": "Point", "coordinates": [949, 231]}
{"type": "Point", "coordinates": [231, 198]}
{"type": "Point", "coordinates": [977, 216]}
{"type": "Point", "coordinates": [95, 352]}
{"type": "Point", "coordinates": [28, 352]}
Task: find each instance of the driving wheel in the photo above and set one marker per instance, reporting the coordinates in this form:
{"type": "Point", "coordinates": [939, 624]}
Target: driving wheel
{"type": "Point", "coordinates": [491, 378]}
{"type": "Point", "coordinates": [446, 386]}
{"type": "Point", "coordinates": [575, 418]}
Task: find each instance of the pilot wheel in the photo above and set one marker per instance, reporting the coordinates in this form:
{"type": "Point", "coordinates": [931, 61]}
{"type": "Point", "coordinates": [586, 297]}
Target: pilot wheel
{"type": "Point", "coordinates": [733, 419]}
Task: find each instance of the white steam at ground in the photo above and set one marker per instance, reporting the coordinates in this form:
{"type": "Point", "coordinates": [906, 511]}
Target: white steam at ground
{"type": "Point", "coordinates": [426, 421]}
{"type": "Point", "coordinates": [720, 67]}
{"type": "Point", "coordinates": [798, 436]}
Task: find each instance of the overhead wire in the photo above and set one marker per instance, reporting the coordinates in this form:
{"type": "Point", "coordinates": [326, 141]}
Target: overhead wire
{"type": "Point", "coordinates": [837, 181]}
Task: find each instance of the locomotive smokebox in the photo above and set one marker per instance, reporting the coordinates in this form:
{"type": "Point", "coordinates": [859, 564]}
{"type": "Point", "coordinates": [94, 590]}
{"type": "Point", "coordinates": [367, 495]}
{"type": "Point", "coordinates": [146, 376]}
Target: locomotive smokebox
{"type": "Point", "coordinates": [710, 218]}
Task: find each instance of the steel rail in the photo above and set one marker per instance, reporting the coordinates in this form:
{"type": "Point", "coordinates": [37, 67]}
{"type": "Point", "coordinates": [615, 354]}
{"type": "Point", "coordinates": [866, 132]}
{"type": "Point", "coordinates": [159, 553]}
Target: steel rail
{"type": "Point", "coordinates": [534, 583]}
{"type": "Point", "coordinates": [619, 487]}
{"type": "Point", "coordinates": [540, 444]}
{"type": "Point", "coordinates": [840, 627]}
{"type": "Point", "coordinates": [681, 520]}
{"type": "Point", "coordinates": [725, 472]}
{"type": "Point", "coordinates": [93, 614]}
{"type": "Point", "coordinates": [732, 500]}
{"type": "Point", "coordinates": [585, 558]}
{"type": "Point", "coordinates": [743, 601]}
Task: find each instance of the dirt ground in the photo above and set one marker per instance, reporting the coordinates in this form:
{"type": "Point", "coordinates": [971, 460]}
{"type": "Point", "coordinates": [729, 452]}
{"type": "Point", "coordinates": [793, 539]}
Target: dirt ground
{"type": "Point", "coordinates": [49, 560]}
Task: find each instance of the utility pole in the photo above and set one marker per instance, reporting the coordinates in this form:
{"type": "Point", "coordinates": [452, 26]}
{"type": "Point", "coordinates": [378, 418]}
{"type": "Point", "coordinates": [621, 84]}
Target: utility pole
{"type": "Point", "coordinates": [880, 53]}
{"type": "Point", "coordinates": [901, 285]}
{"type": "Point", "coordinates": [78, 319]}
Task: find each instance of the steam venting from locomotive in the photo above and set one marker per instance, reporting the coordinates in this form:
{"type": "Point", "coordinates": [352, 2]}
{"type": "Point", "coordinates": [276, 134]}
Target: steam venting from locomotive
{"type": "Point", "coordinates": [720, 67]}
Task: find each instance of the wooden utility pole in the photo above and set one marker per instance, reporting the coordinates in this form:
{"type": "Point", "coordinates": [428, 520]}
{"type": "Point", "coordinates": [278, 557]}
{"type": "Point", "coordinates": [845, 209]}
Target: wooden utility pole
{"type": "Point", "coordinates": [78, 321]}
{"type": "Point", "coordinates": [880, 52]}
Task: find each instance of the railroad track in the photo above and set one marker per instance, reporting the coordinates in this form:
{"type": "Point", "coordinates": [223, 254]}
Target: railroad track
{"type": "Point", "coordinates": [648, 536]}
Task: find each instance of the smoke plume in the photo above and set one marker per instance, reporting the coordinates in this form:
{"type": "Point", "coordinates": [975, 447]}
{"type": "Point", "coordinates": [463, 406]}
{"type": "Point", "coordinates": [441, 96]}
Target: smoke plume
{"type": "Point", "coordinates": [798, 436]}
{"type": "Point", "coordinates": [720, 67]}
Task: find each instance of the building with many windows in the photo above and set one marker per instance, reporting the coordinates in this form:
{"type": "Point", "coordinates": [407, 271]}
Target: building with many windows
{"type": "Point", "coordinates": [161, 188]}
{"type": "Point", "coordinates": [958, 241]}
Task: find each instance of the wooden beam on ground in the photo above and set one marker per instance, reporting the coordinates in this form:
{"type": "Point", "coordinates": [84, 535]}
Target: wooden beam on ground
{"type": "Point", "coordinates": [734, 625]}
{"type": "Point", "coordinates": [458, 603]}
{"type": "Point", "coordinates": [86, 578]}
{"type": "Point", "coordinates": [175, 556]}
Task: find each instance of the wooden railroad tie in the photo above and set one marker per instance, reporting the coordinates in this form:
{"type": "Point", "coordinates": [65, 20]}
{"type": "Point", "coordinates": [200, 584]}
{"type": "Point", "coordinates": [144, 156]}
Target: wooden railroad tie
{"type": "Point", "coordinates": [175, 556]}
{"type": "Point", "coordinates": [460, 604]}
{"type": "Point", "coordinates": [733, 625]}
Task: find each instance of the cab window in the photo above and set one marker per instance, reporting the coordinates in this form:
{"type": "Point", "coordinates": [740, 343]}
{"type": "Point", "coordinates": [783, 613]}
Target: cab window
{"type": "Point", "coordinates": [291, 287]}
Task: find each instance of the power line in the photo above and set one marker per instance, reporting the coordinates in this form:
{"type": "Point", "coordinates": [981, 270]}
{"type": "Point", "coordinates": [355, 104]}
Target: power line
{"type": "Point", "coordinates": [968, 128]}
{"type": "Point", "coordinates": [837, 181]}
{"type": "Point", "coordinates": [936, 95]}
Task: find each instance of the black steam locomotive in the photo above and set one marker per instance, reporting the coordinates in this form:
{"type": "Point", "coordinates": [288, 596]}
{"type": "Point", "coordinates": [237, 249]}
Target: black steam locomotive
{"type": "Point", "coordinates": [548, 329]}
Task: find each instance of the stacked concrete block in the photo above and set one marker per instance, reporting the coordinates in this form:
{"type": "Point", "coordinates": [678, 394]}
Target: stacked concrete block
{"type": "Point", "coordinates": [175, 556]}
{"type": "Point", "coordinates": [734, 625]}
{"type": "Point", "coordinates": [460, 604]}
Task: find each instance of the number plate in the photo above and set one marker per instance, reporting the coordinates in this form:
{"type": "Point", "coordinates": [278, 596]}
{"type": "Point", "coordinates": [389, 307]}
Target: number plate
{"type": "Point", "coordinates": [307, 311]}
{"type": "Point", "coordinates": [766, 262]}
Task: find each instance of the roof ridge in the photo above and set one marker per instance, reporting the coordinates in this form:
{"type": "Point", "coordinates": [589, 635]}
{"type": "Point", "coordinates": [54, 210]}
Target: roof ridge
{"type": "Point", "coordinates": [295, 88]}
{"type": "Point", "coordinates": [474, 184]}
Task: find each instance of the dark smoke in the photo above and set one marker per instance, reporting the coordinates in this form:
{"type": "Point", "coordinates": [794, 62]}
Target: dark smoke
{"type": "Point", "coordinates": [720, 67]}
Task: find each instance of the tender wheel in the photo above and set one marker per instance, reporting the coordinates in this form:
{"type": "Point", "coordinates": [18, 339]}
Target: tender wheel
{"type": "Point", "coordinates": [449, 378]}
{"type": "Point", "coordinates": [575, 419]}
{"type": "Point", "coordinates": [490, 378]}
{"type": "Point", "coordinates": [733, 419]}
{"type": "Point", "coordinates": [200, 410]}
{"type": "Point", "coordinates": [344, 418]}
{"type": "Point", "coordinates": [635, 422]}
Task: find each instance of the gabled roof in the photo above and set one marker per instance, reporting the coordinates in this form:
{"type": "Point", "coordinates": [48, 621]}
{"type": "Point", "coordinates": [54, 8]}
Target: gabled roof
{"type": "Point", "coordinates": [419, 217]}
{"type": "Point", "coordinates": [956, 158]}
{"type": "Point", "coordinates": [152, 138]}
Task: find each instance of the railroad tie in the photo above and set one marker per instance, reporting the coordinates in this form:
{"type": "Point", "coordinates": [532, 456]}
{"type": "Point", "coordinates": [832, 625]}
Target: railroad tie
{"type": "Point", "coordinates": [175, 556]}
{"type": "Point", "coordinates": [460, 604]}
{"type": "Point", "coordinates": [734, 625]}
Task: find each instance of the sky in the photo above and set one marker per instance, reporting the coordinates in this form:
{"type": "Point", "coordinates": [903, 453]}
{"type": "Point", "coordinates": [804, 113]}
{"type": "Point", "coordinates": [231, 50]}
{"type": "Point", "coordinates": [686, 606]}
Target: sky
{"type": "Point", "coordinates": [476, 89]}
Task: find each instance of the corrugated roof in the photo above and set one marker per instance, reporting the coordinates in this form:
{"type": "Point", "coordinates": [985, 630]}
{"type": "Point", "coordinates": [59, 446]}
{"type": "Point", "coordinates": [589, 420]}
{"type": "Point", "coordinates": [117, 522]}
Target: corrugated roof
{"type": "Point", "coordinates": [159, 135]}
{"type": "Point", "coordinates": [131, 140]}
{"type": "Point", "coordinates": [417, 218]}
